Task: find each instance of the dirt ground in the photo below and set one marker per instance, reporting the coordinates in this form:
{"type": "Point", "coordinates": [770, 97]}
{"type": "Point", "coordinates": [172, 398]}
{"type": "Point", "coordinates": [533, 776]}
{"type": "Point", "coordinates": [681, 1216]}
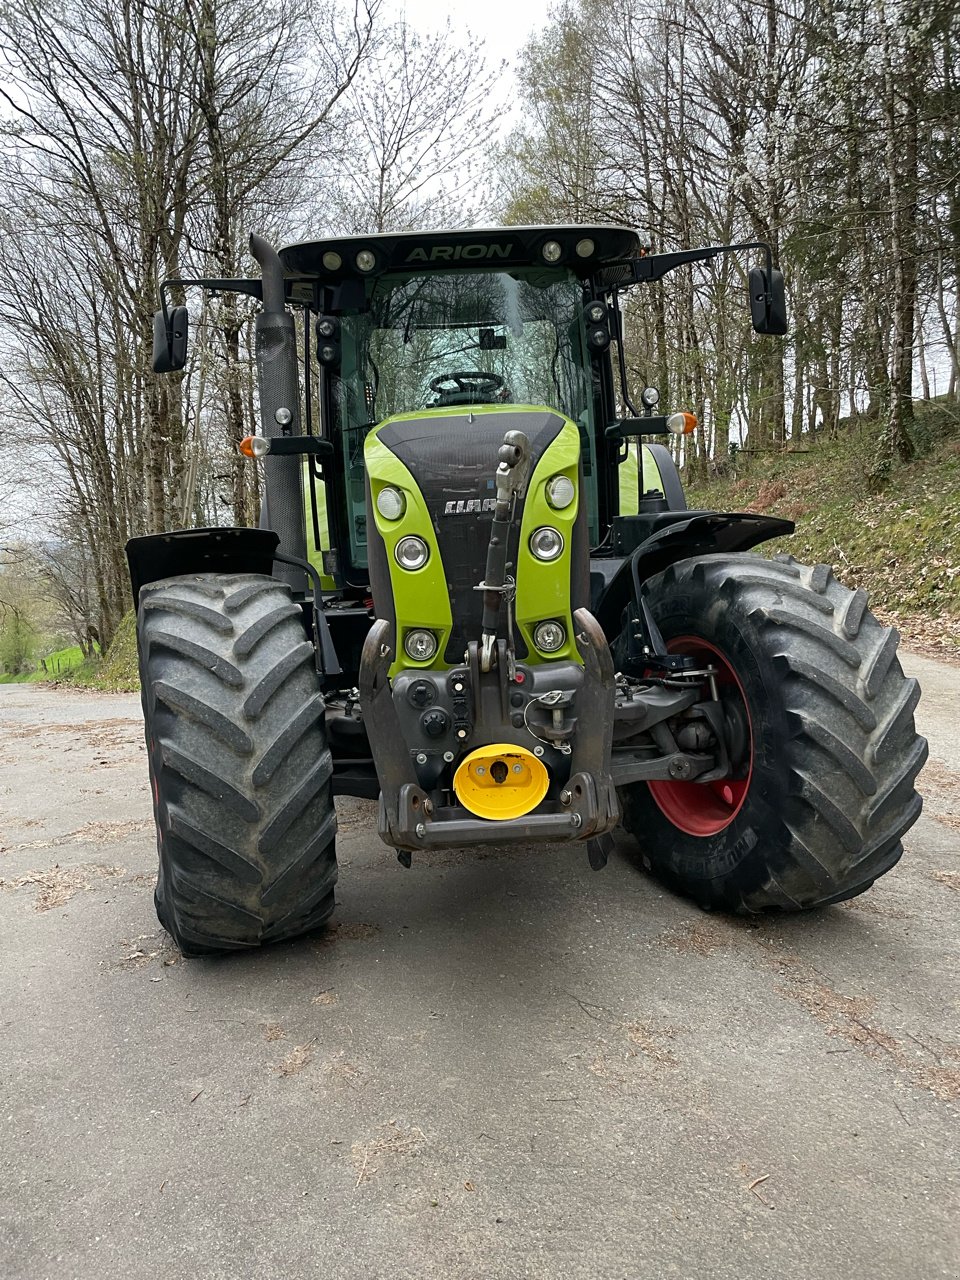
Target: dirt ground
{"type": "Point", "coordinates": [498, 1064]}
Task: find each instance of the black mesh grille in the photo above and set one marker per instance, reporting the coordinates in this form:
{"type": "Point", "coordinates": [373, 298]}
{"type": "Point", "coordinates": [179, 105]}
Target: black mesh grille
{"type": "Point", "coordinates": [453, 460]}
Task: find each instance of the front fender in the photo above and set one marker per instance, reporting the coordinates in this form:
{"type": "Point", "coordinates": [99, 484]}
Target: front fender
{"type": "Point", "coordinates": [683, 535]}
{"type": "Point", "coordinates": [186, 551]}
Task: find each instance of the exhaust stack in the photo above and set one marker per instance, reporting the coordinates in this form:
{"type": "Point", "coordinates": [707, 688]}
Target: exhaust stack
{"type": "Point", "coordinates": [279, 386]}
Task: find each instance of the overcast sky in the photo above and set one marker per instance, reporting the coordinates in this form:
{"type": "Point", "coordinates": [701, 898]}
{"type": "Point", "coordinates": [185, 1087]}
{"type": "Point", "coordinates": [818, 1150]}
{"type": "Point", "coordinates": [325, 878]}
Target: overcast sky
{"type": "Point", "coordinates": [503, 25]}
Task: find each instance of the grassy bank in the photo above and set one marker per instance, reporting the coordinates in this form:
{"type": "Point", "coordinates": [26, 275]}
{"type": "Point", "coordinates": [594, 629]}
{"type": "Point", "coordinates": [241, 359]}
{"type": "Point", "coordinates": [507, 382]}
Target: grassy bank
{"type": "Point", "coordinates": [901, 542]}
{"type": "Point", "coordinates": [116, 671]}
{"type": "Point", "coordinates": [52, 666]}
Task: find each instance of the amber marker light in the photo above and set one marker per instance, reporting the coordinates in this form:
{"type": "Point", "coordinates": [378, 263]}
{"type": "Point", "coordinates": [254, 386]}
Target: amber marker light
{"type": "Point", "coordinates": [682, 424]}
{"type": "Point", "coordinates": [254, 446]}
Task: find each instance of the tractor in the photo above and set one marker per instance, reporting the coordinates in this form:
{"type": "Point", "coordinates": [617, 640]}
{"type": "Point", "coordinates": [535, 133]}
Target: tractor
{"type": "Point", "coordinates": [508, 627]}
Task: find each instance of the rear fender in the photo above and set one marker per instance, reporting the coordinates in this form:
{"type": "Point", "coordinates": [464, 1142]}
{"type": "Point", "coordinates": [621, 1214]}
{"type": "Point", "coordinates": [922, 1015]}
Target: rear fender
{"type": "Point", "coordinates": [682, 536]}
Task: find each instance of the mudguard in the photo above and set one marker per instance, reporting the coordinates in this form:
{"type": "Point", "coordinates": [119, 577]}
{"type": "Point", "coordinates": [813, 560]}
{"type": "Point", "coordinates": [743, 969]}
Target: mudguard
{"type": "Point", "coordinates": [680, 535]}
{"type": "Point", "coordinates": [185, 551]}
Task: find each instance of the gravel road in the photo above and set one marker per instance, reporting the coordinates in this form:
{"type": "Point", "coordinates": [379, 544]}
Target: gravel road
{"type": "Point", "coordinates": [495, 1065]}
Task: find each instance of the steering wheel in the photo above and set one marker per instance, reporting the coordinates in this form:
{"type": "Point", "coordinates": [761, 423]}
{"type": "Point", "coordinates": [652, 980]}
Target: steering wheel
{"type": "Point", "coordinates": [470, 386]}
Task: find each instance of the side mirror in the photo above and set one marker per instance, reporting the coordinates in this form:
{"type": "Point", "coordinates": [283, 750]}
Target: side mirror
{"type": "Point", "coordinates": [170, 342]}
{"type": "Point", "coordinates": [768, 303]}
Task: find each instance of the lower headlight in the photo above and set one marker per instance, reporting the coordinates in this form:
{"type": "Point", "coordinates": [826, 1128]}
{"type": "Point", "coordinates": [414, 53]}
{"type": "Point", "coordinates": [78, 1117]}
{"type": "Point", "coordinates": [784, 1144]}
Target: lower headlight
{"type": "Point", "coordinates": [546, 543]}
{"type": "Point", "coordinates": [412, 552]}
{"type": "Point", "coordinates": [549, 636]}
{"type": "Point", "coordinates": [420, 645]}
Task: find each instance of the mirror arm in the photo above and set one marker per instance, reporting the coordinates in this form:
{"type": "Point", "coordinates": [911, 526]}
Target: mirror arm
{"type": "Point", "coordinates": [656, 265]}
{"type": "Point", "coordinates": [251, 287]}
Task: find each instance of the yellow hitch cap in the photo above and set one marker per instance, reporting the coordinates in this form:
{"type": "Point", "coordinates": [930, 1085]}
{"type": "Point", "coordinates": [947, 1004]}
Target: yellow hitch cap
{"type": "Point", "coordinates": [501, 781]}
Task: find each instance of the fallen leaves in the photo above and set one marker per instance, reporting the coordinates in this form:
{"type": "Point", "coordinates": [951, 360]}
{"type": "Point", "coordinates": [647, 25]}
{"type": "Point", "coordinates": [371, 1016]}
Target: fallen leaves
{"type": "Point", "coordinates": [649, 1040]}
{"type": "Point", "coordinates": [300, 1056]}
{"type": "Point", "coordinates": [58, 885]}
{"type": "Point", "coordinates": [359, 931]}
{"type": "Point", "coordinates": [393, 1142]}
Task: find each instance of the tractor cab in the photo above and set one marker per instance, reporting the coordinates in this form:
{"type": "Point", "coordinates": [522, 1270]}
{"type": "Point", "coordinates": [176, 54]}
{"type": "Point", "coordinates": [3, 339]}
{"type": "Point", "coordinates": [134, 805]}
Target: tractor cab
{"type": "Point", "coordinates": [429, 321]}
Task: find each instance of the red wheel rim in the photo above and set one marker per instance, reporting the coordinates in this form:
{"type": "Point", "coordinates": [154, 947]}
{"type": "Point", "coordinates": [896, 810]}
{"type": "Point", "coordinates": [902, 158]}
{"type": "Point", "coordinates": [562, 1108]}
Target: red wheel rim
{"type": "Point", "coordinates": [705, 808]}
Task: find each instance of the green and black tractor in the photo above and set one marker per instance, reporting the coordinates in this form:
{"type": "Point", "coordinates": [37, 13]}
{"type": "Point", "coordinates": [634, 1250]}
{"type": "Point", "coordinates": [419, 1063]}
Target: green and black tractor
{"type": "Point", "coordinates": [508, 626]}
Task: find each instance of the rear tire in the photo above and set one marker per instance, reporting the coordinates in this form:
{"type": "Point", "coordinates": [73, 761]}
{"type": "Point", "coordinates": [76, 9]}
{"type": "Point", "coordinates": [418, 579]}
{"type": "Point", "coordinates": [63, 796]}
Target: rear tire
{"type": "Point", "coordinates": [834, 753]}
{"type": "Point", "coordinates": [239, 766]}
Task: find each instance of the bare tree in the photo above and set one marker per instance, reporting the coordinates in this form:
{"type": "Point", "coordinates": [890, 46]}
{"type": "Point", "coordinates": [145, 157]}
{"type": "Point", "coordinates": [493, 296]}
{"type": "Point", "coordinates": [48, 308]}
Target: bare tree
{"type": "Point", "coordinates": [823, 129]}
{"type": "Point", "coordinates": [419, 128]}
{"type": "Point", "coordinates": [135, 142]}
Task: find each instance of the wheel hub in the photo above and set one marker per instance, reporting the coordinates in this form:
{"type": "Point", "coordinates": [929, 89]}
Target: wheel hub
{"type": "Point", "coordinates": [706, 808]}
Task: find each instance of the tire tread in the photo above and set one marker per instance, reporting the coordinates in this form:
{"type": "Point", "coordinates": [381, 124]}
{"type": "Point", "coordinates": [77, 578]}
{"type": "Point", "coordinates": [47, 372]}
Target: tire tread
{"type": "Point", "coordinates": [850, 755]}
{"type": "Point", "coordinates": [234, 719]}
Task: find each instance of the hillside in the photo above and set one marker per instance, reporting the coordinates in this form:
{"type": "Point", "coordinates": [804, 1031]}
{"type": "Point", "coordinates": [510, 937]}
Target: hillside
{"type": "Point", "coordinates": [902, 543]}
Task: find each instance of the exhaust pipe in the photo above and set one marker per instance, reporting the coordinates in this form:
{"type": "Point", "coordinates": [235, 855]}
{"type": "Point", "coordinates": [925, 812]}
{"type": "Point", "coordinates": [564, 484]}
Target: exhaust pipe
{"type": "Point", "coordinates": [278, 381]}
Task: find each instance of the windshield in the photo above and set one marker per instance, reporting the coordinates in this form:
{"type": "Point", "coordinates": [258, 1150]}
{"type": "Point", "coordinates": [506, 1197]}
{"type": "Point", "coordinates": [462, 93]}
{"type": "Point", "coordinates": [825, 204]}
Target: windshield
{"type": "Point", "coordinates": [461, 338]}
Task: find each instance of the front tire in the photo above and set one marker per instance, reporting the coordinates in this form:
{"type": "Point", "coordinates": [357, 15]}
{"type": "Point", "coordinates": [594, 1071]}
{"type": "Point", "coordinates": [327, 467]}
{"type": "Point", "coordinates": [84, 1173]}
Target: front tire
{"type": "Point", "coordinates": [825, 788]}
{"type": "Point", "coordinates": [239, 766]}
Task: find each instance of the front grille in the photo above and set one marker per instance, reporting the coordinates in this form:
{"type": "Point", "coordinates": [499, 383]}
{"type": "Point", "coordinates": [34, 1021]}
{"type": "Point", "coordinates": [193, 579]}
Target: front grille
{"type": "Point", "coordinates": [453, 458]}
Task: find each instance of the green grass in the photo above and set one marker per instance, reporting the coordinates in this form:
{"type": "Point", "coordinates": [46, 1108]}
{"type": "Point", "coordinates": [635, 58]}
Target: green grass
{"type": "Point", "coordinates": [901, 542]}
{"type": "Point", "coordinates": [116, 671]}
{"type": "Point", "coordinates": [52, 666]}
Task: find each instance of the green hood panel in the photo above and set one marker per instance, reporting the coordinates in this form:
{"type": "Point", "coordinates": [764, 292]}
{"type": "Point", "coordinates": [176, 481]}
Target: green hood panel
{"type": "Point", "coordinates": [444, 462]}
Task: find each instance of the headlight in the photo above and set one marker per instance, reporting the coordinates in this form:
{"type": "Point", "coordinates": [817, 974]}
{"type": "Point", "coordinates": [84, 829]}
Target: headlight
{"type": "Point", "coordinates": [412, 552]}
{"type": "Point", "coordinates": [549, 636]}
{"type": "Point", "coordinates": [420, 645]}
{"type": "Point", "coordinates": [560, 492]}
{"type": "Point", "coordinates": [391, 503]}
{"type": "Point", "coordinates": [546, 543]}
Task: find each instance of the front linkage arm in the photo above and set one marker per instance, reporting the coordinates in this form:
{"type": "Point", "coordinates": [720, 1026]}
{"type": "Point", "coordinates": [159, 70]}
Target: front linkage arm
{"type": "Point", "coordinates": [511, 477]}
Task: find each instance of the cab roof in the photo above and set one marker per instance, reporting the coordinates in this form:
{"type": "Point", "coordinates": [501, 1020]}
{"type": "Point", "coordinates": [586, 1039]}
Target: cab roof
{"type": "Point", "coordinates": [583, 249]}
